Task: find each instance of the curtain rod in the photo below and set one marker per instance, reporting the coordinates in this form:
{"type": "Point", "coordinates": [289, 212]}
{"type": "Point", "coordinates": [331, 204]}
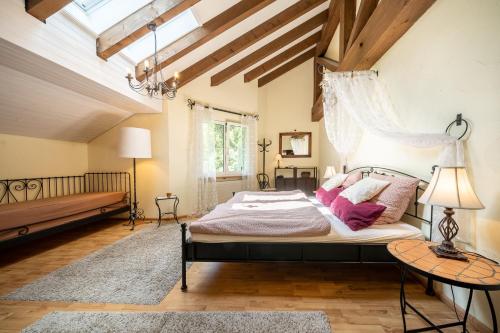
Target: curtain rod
{"type": "Point", "coordinates": [322, 70]}
{"type": "Point", "coordinates": [191, 103]}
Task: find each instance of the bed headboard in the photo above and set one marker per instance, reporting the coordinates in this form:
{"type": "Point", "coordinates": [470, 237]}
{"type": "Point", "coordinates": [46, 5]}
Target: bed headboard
{"type": "Point", "coordinates": [416, 209]}
{"type": "Point", "coordinates": [26, 189]}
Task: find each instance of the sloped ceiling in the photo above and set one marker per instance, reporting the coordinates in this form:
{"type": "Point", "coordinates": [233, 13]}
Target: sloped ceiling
{"type": "Point", "coordinates": [42, 99]}
{"type": "Point", "coordinates": [239, 29]}
{"type": "Point", "coordinates": [30, 106]}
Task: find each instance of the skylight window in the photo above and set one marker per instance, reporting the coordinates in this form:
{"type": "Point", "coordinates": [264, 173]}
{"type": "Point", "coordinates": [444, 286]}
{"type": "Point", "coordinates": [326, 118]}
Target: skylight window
{"type": "Point", "coordinates": [99, 15]}
{"type": "Point", "coordinates": [88, 5]}
{"type": "Point", "coordinates": [166, 34]}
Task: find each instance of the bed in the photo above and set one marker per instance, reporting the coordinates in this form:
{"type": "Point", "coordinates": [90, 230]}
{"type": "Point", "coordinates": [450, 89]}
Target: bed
{"type": "Point", "coordinates": [33, 207]}
{"type": "Point", "coordinates": [339, 245]}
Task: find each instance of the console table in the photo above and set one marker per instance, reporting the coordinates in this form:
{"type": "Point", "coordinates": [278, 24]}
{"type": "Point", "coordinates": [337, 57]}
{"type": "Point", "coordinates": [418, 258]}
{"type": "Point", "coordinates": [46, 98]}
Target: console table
{"type": "Point", "coordinates": [290, 178]}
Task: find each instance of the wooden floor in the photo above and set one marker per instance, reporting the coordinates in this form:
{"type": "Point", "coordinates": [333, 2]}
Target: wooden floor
{"type": "Point", "coordinates": [357, 298]}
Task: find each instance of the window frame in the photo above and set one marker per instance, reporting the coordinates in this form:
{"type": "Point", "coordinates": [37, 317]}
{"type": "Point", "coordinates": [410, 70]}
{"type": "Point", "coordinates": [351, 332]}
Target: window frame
{"type": "Point", "coordinates": [226, 172]}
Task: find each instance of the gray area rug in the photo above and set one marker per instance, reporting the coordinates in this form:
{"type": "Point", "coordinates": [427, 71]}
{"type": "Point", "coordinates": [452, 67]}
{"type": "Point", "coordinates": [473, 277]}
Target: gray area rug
{"type": "Point", "coordinates": [139, 269]}
{"type": "Point", "coordinates": [179, 322]}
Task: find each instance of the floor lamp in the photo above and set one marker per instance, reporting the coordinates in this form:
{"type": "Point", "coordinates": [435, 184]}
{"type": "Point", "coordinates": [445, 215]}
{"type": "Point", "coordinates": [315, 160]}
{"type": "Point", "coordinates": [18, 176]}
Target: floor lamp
{"type": "Point", "coordinates": [135, 143]}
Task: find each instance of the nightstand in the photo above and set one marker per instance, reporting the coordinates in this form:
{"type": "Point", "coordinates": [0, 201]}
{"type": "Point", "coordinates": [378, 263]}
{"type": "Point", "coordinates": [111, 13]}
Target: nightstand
{"type": "Point", "coordinates": [175, 202]}
{"type": "Point", "coordinates": [478, 273]}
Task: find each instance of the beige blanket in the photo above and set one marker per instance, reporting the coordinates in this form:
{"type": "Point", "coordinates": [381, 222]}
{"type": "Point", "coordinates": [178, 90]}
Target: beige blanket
{"type": "Point", "coordinates": [279, 214]}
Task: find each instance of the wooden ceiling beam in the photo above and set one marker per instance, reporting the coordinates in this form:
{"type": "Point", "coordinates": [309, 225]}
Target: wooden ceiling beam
{"type": "Point", "coordinates": [366, 8]}
{"type": "Point", "coordinates": [199, 36]}
{"type": "Point", "coordinates": [247, 39]}
{"type": "Point", "coordinates": [329, 27]}
{"type": "Point", "coordinates": [43, 9]}
{"type": "Point", "coordinates": [282, 57]}
{"type": "Point", "coordinates": [134, 26]}
{"type": "Point", "coordinates": [317, 109]}
{"type": "Point", "coordinates": [390, 20]}
{"type": "Point", "coordinates": [328, 63]}
{"type": "Point", "coordinates": [317, 77]}
{"type": "Point", "coordinates": [280, 42]}
{"type": "Point", "coordinates": [347, 18]}
{"type": "Point", "coordinates": [286, 67]}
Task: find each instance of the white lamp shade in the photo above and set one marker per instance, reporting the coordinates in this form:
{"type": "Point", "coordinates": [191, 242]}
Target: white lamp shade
{"type": "Point", "coordinates": [278, 157]}
{"type": "Point", "coordinates": [450, 188]}
{"type": "Point", "coordinates": [329, 172]}
{"type": "Point", "coordinates": [135, 143]}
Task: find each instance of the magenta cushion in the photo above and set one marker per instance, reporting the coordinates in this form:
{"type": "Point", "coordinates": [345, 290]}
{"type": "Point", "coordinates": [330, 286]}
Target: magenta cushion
{"type": "Point", "coordinates": [326, 197]}
{"type": "Point", "coordinates": [356, 217]}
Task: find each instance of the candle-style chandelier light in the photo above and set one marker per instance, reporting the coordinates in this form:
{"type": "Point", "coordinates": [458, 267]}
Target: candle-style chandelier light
{"type": "Point", "coordinates": [153, 84]}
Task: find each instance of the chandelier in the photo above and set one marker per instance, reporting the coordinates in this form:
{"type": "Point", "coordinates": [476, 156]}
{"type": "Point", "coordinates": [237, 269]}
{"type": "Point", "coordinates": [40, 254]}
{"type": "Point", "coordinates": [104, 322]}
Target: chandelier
{"type": "Point", "coordinates": [153, 84]}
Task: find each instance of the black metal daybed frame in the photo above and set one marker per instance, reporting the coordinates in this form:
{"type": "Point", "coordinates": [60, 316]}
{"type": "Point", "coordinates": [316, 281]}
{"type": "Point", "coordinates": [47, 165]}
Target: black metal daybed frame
{"type": "Point", "coordinates": [28, 189]}
{"type": "Point", "coordinates": [301, 252]}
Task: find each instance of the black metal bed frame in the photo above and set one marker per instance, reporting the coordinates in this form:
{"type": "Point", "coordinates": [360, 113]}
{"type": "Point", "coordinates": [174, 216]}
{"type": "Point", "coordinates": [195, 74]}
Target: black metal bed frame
{"type": "Point", "coordinates": [301, 252]}
{"type": "Point", "coordinates": [28, 189]}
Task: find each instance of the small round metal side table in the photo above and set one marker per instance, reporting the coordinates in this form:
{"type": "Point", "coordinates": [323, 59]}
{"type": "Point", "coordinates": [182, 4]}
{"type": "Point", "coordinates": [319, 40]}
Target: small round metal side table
{"type": "Point", "coordinates": [172, 212]}
{"type": "Point", "coordinates": [478, 273]}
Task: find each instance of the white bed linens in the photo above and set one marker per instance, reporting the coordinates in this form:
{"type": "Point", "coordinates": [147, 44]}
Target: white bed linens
{"type": "Point", "coordinates": [261, 214]}
{"type": "Point", "coordinates": [339, 233]}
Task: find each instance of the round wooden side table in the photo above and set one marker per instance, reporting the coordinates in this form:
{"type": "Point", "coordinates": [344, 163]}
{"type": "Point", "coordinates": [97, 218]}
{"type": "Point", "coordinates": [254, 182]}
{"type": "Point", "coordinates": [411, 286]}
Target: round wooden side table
{"type": "Point", "coordinates": [478, 273]}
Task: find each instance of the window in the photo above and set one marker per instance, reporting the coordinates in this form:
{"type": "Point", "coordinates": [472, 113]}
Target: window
{"type": "Point", "coordinates": [87, 5]}
{"type": "Point", "coordinates": [229, 153]}
{"type": "Point", "coordinates": [100, 15]}
{"type": "Point", "coordinates": [167, 33]}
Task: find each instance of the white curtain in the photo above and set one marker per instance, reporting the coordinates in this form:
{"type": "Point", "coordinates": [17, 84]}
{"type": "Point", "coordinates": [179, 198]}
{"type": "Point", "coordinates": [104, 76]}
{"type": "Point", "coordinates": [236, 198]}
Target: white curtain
{"type": "Point", "coordinates": [249, 153]}
{"type": "Point", "coordinates": [202, 163]}
{"type": "Point", "coordinates": [300, 146]}
{"type": "Point", "coordinates": [358, 101]}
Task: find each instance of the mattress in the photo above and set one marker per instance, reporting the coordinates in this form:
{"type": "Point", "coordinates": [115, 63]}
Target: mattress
{"type": "Point", "coordinates": [30, 212]}
{"type": "Point", "coordinates": [339, 233]}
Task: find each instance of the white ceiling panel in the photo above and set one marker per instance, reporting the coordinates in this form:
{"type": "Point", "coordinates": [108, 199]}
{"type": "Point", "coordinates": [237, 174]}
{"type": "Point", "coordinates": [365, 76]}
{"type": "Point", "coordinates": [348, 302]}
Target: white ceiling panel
{"type": "Point", "coordinates": [33, 107]}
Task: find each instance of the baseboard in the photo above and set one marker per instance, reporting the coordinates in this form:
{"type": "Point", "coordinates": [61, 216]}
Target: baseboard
{"type": "Point", "coordinates": [472, 320]}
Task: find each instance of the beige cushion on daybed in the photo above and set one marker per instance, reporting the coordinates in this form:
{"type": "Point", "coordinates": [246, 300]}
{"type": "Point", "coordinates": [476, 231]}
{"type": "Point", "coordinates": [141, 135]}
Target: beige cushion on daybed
{"type": "Point", "coordinates": [31, 212]}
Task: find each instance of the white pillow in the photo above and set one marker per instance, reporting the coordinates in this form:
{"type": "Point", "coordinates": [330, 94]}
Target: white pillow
{"type": "Point", "coordinates": [334, 182]}
{"type": "Point", "coordinates": [363, 190]}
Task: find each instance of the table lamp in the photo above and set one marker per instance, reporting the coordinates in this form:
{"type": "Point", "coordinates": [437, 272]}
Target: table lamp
{"type": "Point", "coordinates": [278, 158]}
{"type": "Point", "coordinates": [329, 172]}
{"type": "Point", "coordinates": [135, 143]}
{"type": "Point", "coordinates": [450, 188]}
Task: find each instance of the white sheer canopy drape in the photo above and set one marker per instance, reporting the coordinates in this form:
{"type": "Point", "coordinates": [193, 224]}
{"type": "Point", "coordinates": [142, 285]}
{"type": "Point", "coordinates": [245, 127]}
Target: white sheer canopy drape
{"type": "Point", "coordinates": [300, 146]}
{"type": "Point", "coordinates": [249, 153]}
{"type": "Point", "coordinates": [202, 162]}
{"type": "Point", "coordinates": [358, 101]}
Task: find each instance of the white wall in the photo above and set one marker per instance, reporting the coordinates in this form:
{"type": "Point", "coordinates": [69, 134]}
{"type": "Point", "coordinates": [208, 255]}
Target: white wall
{"type": "Point", "coordinates": [25, 157]}
{"type": "Point", "coordinates": [447, 63]}
{"type": "Point", "coordinates": [168, 170]}
{"type": "Point", "coordinates": [287, 103]}
{"type": "Point", "coordinates": [283, 105]}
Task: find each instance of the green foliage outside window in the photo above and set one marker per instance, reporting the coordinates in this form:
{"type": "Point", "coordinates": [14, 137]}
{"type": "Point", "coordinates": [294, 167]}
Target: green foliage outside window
{"type": "Point", "coordinates": [229, 143]}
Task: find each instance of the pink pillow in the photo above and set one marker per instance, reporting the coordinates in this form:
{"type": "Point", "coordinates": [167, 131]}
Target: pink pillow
{"type": "Point", "coordinates": [396, 197]}
{"type": "Point", "coordinates": [352, 178]}
{"type": "Point", "coordinates": [326, 197]}
{"type": "Point", "coordinates": [358, 216]}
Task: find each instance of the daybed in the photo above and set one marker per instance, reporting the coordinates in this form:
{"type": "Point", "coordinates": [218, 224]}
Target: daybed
{"type": "Point", "coordinates": [32, 205]}
{"type": "Point", "coordinates": [340, 245]}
